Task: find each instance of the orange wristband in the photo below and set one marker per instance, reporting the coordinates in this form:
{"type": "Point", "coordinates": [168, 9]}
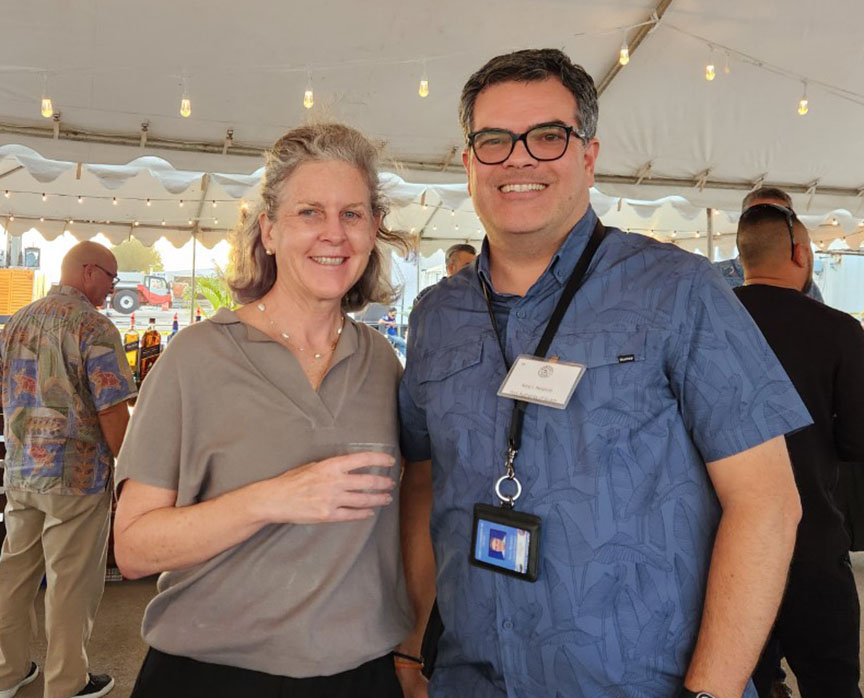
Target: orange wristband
{"type": "Point", "coordinates": [405, 664]}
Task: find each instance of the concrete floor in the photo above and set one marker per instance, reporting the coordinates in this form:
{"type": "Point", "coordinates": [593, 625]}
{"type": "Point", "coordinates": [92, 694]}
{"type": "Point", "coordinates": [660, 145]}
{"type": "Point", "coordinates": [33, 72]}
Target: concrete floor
{"type": "Point", "coordinates": [116, 647]}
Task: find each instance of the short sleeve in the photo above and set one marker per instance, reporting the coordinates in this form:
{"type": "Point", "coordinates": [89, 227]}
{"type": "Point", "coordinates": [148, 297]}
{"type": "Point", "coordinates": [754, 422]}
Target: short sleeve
{"type": "Point", "coordinates": [414, 439]}
{"type": "Point", "coordinates": [108, 374]}
{"type": "Point", "coordinates": [733, 392]}
{"type": "Point", "coordinates": [151, 451]}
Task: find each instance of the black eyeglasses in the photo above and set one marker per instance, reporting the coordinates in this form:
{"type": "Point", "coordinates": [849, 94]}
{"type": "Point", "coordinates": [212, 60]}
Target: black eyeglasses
{"type": "Point", "coordinates": [760, 211]}
{"type": "Point", "coordinates": [545, 142]}
{"type": "Point", "coordinates": [114, 278]}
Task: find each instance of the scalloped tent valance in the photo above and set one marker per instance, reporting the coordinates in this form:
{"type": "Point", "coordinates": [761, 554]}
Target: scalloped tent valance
{"type": "Point", "coordinates": [149, 198]}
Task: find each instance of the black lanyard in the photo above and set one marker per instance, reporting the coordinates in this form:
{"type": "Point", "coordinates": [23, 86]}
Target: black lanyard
{"type": "Point", "coordinates": [514, 438]}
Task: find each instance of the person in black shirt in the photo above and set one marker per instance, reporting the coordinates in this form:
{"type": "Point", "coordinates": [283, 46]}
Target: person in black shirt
{"type": "Point", "coordinates": [822, 350]}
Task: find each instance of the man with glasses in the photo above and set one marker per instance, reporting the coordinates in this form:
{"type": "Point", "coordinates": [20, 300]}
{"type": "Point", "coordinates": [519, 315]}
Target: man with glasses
{"type": "Point", "coordinates": [821, 349]}
{"type": "Point", "coordinates": [639, 442]}
{"type": "Point", "coordinates": [731, 269]}
{"type": "Point", "coordinates": [65, 386]}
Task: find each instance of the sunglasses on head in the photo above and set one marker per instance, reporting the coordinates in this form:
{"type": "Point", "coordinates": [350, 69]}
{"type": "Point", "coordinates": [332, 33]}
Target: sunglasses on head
{"type": "Point", "coordinates": [760, 210]}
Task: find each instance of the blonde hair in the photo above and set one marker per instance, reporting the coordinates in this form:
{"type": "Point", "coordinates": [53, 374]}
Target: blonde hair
{"type": "Point", "coordinates": [254, 271]}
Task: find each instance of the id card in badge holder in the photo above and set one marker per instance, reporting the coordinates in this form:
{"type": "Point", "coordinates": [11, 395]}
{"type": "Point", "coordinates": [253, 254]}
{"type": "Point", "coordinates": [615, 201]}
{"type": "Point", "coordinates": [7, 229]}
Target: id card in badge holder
{"type": "Point", "coordinates": [546, 382]}
{"type": "Point", "coordinates": [505, 541]}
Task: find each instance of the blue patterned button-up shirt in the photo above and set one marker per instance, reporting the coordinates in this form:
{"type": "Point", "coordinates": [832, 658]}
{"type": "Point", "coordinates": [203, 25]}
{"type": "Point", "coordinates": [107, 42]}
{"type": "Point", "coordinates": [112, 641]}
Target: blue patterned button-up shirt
{"type": "Point", "coordinates": [677, 375]}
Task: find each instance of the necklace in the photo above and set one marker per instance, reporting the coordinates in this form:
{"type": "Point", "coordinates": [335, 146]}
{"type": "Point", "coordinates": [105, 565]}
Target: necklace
{"type": "Point", "coordinates": [287, 337]}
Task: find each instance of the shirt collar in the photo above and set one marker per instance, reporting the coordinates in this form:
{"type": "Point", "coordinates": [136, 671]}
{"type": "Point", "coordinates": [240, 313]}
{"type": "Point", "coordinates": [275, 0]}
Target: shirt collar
{"type": "Point", "coordinates": [71, 291]}
{"type": "Point", "coordinates": [563, 261]}
{"type": "Point", "coordinates": [347, 345]}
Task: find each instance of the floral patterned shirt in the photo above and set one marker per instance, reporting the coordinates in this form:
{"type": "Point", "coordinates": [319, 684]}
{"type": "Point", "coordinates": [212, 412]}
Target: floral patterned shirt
{"type": "Point", "coordinates": [61, 362]}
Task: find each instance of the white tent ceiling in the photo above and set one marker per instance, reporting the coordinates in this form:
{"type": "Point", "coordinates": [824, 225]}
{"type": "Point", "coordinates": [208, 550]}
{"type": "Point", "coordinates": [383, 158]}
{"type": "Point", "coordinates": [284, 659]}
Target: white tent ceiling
{"type": "Point", "coordinates": [110, 65]}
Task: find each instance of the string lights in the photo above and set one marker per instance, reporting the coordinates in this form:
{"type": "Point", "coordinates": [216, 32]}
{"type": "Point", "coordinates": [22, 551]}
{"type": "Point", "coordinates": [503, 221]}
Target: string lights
{"type": "Point", "coordinates": [423, 90]}
{"type": "Point", "coordinates": [185, 101]}
{"type": "Point", "coordinates": [803, 103]}
{"type": "Point", "coordinates": [624, 54]}
{"type": "Point", "coordinates": [309, 95]}
{"type": "Point", "coordinates": [710, 71]}
{"type": "Point", "coordinates": [47, 106]}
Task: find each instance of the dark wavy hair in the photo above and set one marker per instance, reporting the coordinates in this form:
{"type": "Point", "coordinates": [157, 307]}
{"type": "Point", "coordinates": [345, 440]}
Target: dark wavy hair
{"type": "Point", "coordinates": [534, 65]}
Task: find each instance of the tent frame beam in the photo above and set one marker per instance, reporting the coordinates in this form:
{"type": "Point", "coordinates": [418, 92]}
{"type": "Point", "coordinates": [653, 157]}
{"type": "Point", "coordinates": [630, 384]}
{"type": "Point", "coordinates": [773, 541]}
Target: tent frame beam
{"type": "Point", "coordinates": [633, 44]}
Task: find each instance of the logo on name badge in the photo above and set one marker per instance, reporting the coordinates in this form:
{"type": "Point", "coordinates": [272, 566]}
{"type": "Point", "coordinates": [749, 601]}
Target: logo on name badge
{"type": "Point", "coordinates": [626, 358]}
{"type": "Point", "coordinates": [545, 371]}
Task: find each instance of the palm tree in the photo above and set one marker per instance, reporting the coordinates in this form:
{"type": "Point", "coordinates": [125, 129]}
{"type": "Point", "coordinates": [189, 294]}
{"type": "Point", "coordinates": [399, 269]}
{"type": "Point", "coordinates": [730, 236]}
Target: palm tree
{"type": "Point", "coordinates": [215, 290]}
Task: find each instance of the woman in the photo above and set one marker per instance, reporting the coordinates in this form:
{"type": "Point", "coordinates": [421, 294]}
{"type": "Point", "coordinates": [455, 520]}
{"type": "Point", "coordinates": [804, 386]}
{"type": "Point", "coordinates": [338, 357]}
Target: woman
{"type": "Point", "coordinates": [239, 473]}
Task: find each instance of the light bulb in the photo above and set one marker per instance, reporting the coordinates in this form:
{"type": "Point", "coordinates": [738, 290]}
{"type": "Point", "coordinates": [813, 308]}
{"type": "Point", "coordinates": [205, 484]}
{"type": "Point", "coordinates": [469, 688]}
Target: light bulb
{"type": "Point", "coordinates": [624, 54]}
{"type": "Point", "coordinates": [6, 194]}
{"type": "Point", "coordinates": [308, 98]}
{"type": "Point", "coordinates": [215, 221]}
{"type": "Point", "coordinates": [44, 197]}
{"type": "Point", "coordinates": [149, 203]}
{"type": "Point", "coordinates": [181, 203]}
{"type": "Point", "coordinates": [47, 108]}
{"type": "Point", "coordinates": [185, 107]}
{"type": "Point", "coordinates": [803, 104]}
{"type": "Point", "coordinates": [114, 201]}
{"type": "Point", "coordinates": [80, 199]}
{"type": "Point", "coordinates": [423, 90]}
{"type": "Point", "coordinates": [726, 68]}
{"type": "Point", "coordinates": [11, 217]}
{"type": "Point", "coordinates": [163, 222]}
{"type": "Point", "coordinates": [710, 73]}
{"type": "Point", "coordinates": [135, 223]}
{"type": "Point", "coordinates": [214, 203]}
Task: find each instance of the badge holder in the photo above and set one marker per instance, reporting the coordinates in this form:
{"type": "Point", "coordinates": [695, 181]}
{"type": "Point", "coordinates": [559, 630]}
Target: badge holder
{"type": "Point", "coordinates": [504, 540]}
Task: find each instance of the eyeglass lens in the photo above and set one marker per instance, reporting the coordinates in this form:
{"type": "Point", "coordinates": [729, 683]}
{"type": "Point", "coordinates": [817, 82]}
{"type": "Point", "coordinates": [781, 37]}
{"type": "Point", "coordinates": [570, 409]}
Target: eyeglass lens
{"type": "Point", "coordinates": [493, 147]}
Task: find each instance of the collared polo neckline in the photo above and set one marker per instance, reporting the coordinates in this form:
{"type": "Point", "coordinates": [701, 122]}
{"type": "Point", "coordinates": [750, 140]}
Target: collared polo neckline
{"type": "Point", "coordinates": [560, 266]}
{"type": "Point", "coordinates": [348, 340]}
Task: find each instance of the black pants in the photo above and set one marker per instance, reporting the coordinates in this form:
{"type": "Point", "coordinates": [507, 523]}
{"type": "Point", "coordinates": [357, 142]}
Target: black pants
{"type": "Point", "coordinates": [817, 632]}
{"type": "Point", "coordinates": [168, 676]}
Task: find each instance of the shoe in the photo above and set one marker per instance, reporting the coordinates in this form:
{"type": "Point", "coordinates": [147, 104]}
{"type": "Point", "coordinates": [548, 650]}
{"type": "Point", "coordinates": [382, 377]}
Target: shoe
{"type": "Point", "coordinates": [98, 685]}
{"type": "Point", "coordinates": [31, 676]}
{"type": "Point", "coordinates": [780, 690]}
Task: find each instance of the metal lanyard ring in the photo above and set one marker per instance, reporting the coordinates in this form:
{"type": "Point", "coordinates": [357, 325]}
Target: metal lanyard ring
{"type": "Point", "coordinates": [508, 499]}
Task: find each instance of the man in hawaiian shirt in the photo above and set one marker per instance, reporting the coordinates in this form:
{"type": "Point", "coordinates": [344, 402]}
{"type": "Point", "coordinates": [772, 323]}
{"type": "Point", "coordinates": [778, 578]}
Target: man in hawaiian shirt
{"type": "Point", "coordinates": [65, 385]}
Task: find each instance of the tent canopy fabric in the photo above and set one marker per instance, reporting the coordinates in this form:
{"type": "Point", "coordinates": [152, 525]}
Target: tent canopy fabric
{"type": "Point", "coordinates": [665, 131]}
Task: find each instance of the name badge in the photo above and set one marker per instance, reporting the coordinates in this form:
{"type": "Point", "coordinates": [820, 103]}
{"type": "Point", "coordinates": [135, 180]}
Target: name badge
{"type": "Point", "coordinates": [542, 381]}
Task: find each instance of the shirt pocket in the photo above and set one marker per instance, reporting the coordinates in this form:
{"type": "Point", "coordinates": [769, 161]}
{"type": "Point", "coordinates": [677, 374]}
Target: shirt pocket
{"type": "Point", "coordinates": [453, 384]}
{"type": "Point", "coordinates": [617, 365]}
{"type": "Point", "coordinates": [443, 363]}
{"type": "Point", "coordinates": [604, 348]}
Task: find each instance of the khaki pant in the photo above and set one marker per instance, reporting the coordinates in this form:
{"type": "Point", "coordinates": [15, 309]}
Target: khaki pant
{"type": "Point", "coordinates": [66, 536]}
